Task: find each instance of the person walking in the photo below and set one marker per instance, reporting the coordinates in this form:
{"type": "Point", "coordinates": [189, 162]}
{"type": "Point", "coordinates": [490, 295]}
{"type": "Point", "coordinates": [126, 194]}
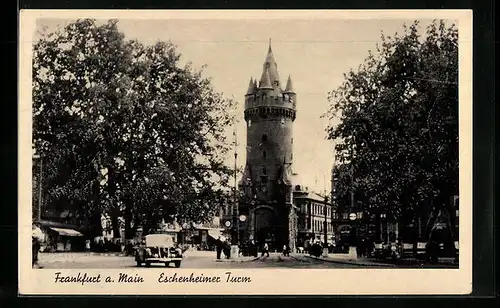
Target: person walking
{"type": "Point", "coordinates": [35, 246]}
{"type": "Point", "coordinates": [227, 249]}
{"type": "Point", "coordinates": [87, 246]}
{"type": "Point", "coordinates": [265, 250]}
{"type": "Point", "coordinates": [36, 240]}
{"type": "Point", "coordinates": [254, 248]}
{"type": "Point", "coordinates": [219, 247]}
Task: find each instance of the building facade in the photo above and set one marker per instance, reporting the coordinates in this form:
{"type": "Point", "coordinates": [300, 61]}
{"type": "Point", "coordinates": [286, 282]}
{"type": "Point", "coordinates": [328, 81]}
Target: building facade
{"type": "Point", "coordinates": [266, 185]}
{"type": "Point", "coordinates": [314, 213]}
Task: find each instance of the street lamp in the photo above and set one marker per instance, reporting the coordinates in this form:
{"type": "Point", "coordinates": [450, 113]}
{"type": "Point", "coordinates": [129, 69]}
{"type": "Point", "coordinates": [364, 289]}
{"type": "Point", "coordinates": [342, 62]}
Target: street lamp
{"type": "Point", "coordinates": [325, 228]}
{"type": "Point", "coordinates": [236, 226]}
{"type": "Point", "coordinates": [354, 230]}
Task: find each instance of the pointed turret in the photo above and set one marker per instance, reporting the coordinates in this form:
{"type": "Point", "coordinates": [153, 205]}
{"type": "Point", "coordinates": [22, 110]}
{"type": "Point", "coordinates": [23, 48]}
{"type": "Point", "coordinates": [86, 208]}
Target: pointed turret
{"type": "Point", "coordinates": [272, 67]}
{"type": "Point", "coordinates": [270, 56]}
{"type": "Point", "coordinates": [289, 85]}
{"type": "Point", "coordinates": [251, 89]}
{"type": "Point", "coordinates": [265, 81]}
{"type": "Point", "coordinates": [255, 87]}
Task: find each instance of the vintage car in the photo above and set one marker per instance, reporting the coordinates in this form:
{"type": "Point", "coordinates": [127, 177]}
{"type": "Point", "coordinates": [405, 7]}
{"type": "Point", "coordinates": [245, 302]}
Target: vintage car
{"type": "Point", "coordinates": [159, 248]}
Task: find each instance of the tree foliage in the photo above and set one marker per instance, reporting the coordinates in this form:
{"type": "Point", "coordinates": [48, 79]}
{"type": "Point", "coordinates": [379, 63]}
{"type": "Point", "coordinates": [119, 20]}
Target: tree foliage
{"type": "Point", "coordinates": [124, 129]}
{"type": "Point", "coordinates": [398, 131]}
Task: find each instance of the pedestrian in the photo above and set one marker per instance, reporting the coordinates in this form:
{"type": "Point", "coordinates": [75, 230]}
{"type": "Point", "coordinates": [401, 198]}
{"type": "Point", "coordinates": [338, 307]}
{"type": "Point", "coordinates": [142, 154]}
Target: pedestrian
{"type": "Point", "coordinates": [227, 249]}
{"type": "Point", "coordinates": [35, 246]}
{"type": "Point", "coordinates": [254, 248]}
{"type": "Point", "coordinates": [219, 247]}
{"type": "Point", "coordinates": [87, 246]}
{"type": "Point", "coordinates": [36, 238]}
{"type": "Point", "coordinates": [265, 250]}
{"type": "Point", "coordinates": [363, 247]}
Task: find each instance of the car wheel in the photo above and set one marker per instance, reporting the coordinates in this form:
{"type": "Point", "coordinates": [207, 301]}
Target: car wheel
{"type": "Point", "coordinates": [177, 263]}
{"type": "Point", "coordinates": [148, 264]}
{"type": "Point", "coordinates": [167, 264]}
{"type": "Point", "coordinates": [138, 263]}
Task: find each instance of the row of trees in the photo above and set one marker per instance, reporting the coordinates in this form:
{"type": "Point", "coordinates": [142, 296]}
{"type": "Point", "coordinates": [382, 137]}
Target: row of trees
{"type": "Point", "coordinates": [397, 141]}
{"type": "Point", "coordinates": [124, 130]}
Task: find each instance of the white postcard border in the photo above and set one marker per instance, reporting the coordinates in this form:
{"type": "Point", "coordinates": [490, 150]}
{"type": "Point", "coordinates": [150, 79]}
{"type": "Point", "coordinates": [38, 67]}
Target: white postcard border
{"type": "Point", "coordinates": [264, 281]}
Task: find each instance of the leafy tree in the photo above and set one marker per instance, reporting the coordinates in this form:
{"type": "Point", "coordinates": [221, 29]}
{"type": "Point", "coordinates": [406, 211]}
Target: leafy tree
{"type": "Point", "coordinates": [398, 126]}
{"type": "Point", "coordinates": [125, 130]}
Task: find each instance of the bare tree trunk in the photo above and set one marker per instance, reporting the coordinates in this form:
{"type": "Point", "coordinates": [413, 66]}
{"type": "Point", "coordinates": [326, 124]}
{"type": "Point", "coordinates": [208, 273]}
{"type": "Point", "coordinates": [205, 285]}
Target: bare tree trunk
{"type": "Point", "coordinates": [115, 223]}
{"type": "Point", "coordinates": [128, 220]}
{"type": "Point", "coordinates": [115, 210]}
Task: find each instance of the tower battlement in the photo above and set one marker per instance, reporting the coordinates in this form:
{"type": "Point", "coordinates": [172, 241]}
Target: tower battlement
{"type": "Point", "coordinates": [260, 98]}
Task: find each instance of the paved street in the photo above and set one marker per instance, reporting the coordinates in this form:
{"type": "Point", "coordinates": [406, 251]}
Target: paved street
{"type": "Point", "coordinates": [194, 260]}
{"type": "Point", "coordinates": [206, 259]}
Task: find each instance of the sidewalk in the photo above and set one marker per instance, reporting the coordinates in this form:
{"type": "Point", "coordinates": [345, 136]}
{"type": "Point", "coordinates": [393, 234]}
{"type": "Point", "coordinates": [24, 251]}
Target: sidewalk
{"type": "Point", "coordinates": [370, 262]}
{"type": "Point", "coordinates": [346, 259]}
{"type": "Point", "coordinates": [240, 259]}
{"type": "Point", "coordinates": [82, 253]}
{"type": "Point", "coordinates": [213, 255]}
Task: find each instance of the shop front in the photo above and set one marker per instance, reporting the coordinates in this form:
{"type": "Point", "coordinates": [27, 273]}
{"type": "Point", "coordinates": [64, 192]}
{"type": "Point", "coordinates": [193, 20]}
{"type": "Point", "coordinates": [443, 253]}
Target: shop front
{"type": "Point", "coordinates": [61, 238]}
{"type": "Point", "coordinates": [201, 238]}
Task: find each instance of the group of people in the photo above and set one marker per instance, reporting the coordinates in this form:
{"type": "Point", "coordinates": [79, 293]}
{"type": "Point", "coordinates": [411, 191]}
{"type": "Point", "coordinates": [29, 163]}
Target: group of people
{"type": "Point", "coordinates": [251, 249]}
{"type": "Point", "coordinates": [223, 246]}
{"type": "Point", "coordinates": [365, 247]}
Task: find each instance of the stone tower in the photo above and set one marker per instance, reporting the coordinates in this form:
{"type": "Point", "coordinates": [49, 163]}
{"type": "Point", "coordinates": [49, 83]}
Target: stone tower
{"type": "Point", "coordinates": [270, 111]}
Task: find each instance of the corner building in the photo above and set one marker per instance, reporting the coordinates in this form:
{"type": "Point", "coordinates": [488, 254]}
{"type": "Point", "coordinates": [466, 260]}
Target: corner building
{"type": "Point", "coordinates": [266, 186]}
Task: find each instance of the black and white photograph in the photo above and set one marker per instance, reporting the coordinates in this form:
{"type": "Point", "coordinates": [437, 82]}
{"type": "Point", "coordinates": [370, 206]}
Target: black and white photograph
{"type": "Point", "coordinates": [180, 144]}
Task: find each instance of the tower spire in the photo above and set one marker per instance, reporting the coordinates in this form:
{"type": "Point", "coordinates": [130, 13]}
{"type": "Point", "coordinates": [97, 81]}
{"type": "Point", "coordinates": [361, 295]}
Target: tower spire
{"type": "Point", "coordinates": [272, 67]}
{"type": "Point", "coordinates": [250, 87]}
{"type": "Point", "coordinates": [265, 80]}
{"type": "Point", "coordinates": [289, 85]}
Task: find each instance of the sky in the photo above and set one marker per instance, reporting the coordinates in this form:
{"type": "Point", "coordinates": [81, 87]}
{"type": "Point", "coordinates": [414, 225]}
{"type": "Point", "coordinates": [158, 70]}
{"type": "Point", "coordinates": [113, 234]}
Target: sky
{"type": "Point", "coordinates": [315, 53]}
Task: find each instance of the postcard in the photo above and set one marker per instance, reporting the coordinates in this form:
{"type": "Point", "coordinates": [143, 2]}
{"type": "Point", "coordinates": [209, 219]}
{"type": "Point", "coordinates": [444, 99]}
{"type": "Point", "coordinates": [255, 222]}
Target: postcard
{"type": "Point", "coordinates": [245, 152]}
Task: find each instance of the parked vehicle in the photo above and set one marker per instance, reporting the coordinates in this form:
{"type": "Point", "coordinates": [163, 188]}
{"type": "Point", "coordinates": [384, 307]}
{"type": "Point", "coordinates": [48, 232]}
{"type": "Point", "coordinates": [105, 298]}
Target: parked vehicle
{"type": "Point", "coordinates": [384, 251]}
{"type": "Point", "coordinates": [159, 248]}
{"type": "Point", "coordinates": [394, 252]}
{"type": "Point", "coordinates": [432, 250]}
{"type": "Point", "coordinates": [407, 250]}
{"type": "Point", "coordinates": [378, 251]}
{"type": "Point", "coordinates": [316, 249]}
{"type": "Point", "coordinates": [421, 252]}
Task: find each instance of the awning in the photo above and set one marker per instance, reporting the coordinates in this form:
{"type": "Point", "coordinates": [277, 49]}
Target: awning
{"type": "Point", "coordinates": [215, 233]}
{"type": "Point", "coordinates": [67, 232]}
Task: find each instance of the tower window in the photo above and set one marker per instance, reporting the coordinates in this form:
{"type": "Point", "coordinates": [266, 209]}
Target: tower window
{"type": "Point", "coordinates": [250, 123]}
{"type": "Point", "coordinates": [292, 140]}
{"type": "Point", "coordinates": [282, 121]}
{"type": "Point", "coordinates": [264, 138]}
{"type": "Point", "coordinates": [264, 171]}
{"type": "Point", "coordinates": [264, 154]}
